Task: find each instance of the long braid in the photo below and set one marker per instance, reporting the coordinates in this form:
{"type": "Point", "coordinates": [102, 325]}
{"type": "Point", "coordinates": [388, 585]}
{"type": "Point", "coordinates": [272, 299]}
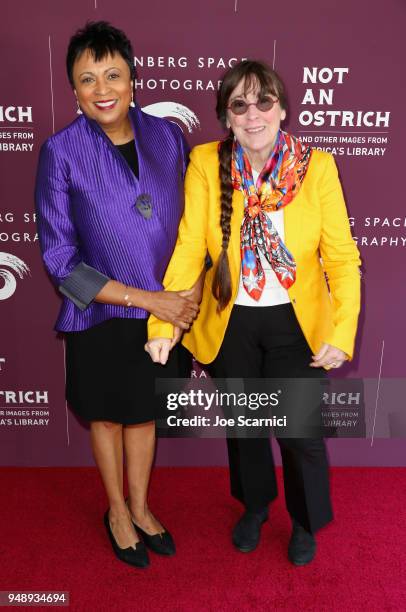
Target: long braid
{"type": "Point", "coordinates": [221, 288]}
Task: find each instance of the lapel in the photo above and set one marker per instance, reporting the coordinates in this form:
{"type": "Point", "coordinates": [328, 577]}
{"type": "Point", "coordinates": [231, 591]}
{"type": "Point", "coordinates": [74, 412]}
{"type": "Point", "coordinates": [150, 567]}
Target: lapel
{"type": "Point", "coordinates": [143, 138]}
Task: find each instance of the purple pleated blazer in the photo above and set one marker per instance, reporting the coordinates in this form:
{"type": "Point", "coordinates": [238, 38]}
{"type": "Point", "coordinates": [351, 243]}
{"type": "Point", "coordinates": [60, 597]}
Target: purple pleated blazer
{"type": "Point", "coordinates": [90, 224]}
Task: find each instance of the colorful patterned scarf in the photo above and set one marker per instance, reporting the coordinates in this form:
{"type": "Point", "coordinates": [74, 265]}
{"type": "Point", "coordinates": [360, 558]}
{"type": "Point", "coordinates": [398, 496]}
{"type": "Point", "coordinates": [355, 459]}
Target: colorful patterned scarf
{"type": "Point", "coordinates": [279, 182]}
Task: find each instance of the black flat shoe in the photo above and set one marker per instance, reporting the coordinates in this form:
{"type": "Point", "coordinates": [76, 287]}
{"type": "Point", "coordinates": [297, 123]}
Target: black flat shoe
{"type": "Point", "coordinates": [302, 545]}
{"type": "Point", "coordinates": [247, 531]}
{"type": "Point", "coordinates": [159, 543]}
{"type": "Point", "coordinates": [137, 556]}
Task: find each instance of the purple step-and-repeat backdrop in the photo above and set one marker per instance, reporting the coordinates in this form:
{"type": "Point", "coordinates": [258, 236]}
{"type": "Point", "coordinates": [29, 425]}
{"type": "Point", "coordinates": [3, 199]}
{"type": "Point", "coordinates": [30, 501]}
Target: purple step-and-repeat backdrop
{"type": "Point", "coordinates": [343, 64]}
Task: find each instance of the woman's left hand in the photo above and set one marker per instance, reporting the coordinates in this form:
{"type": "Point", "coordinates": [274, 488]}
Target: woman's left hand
{"type": "Point", "coordinates": [329, 357]}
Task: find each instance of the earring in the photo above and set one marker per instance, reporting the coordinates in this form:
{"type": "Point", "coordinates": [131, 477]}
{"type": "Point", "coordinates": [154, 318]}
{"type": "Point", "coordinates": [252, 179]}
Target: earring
{"type": "Point", "coordinates": [78, 110]}
{"type": "Point", "coordinates": [132, 103]}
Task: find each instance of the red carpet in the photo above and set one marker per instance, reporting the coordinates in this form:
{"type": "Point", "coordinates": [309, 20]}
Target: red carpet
{"type": "Point", "coordinates": [52, 538]}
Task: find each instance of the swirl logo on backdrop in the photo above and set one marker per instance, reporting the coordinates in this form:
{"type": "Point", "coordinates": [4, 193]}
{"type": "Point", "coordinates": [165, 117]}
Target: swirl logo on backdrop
{"type": "Point", "coordinates": [18, 266]}
{"type": "Point", "coordinates": [174, 110]}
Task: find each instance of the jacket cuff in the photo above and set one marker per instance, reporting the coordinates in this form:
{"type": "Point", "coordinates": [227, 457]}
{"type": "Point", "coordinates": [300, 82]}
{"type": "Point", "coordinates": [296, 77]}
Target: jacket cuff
{"type": "Point", "coordinates": [342, 341]}
{"type": "Point", "coordinates": [159, 329]}
{"type": "Point", "coordinates": [83, 284]}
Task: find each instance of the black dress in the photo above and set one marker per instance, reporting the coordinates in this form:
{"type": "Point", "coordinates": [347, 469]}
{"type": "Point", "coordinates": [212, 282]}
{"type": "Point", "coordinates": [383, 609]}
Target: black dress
{"type": "Point", "coordinates": [109, 376]}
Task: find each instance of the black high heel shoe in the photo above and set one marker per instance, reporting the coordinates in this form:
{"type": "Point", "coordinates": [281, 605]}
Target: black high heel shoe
{"type": "Point", "coordinates": [159, 543]}
{"type": "Point", "coordinates": [137, 556]}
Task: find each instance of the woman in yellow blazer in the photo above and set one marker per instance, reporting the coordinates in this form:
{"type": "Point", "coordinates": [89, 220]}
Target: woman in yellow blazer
{"type": "Point", "coordinates": [271, 214]}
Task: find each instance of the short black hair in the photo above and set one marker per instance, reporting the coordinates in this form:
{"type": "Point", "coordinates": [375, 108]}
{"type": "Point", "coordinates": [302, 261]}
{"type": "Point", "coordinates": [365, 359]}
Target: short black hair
{"type": "Point", "coordinates": [102, 39]}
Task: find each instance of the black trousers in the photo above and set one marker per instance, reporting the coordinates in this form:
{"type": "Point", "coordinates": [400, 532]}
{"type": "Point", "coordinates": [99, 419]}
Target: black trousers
{"type": "Point", "coordinates": [267, 342]}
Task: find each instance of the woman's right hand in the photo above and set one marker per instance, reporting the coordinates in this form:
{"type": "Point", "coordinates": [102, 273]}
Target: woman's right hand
{"type": "Point", "coordinates": [176, 307]}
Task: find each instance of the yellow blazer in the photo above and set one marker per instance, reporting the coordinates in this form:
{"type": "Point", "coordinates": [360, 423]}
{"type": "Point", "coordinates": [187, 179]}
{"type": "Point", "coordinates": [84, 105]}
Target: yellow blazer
{"type": "Point", "coordinates": [316, 226]}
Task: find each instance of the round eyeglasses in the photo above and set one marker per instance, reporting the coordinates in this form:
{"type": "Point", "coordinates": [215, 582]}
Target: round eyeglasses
{"type": "Point", "coordinates": [240, 106]}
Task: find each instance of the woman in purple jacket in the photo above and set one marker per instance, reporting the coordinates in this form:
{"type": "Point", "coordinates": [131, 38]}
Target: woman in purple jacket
{"type": "Point", "coordinates": [109, 198]}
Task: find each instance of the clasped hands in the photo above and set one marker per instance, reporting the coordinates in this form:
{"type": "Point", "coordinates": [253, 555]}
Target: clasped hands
{"type": "Point", "coordinates": [159, 348]}
{"type": "Point", "coordinates": [177, 307]}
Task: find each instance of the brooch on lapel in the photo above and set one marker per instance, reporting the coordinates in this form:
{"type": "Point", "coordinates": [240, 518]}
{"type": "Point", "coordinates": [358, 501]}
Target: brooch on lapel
{"type": "Point", "coordinates": [144, 205]}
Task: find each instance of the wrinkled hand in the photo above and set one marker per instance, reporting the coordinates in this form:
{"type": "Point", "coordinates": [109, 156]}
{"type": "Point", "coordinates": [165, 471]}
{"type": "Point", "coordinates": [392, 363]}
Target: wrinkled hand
{"type": "Point", "coordinates": [158, 349]}
{"type": "Point", "coordinates": [176, 307]}
{"type": "Point", "coordinates": [329, 357]}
